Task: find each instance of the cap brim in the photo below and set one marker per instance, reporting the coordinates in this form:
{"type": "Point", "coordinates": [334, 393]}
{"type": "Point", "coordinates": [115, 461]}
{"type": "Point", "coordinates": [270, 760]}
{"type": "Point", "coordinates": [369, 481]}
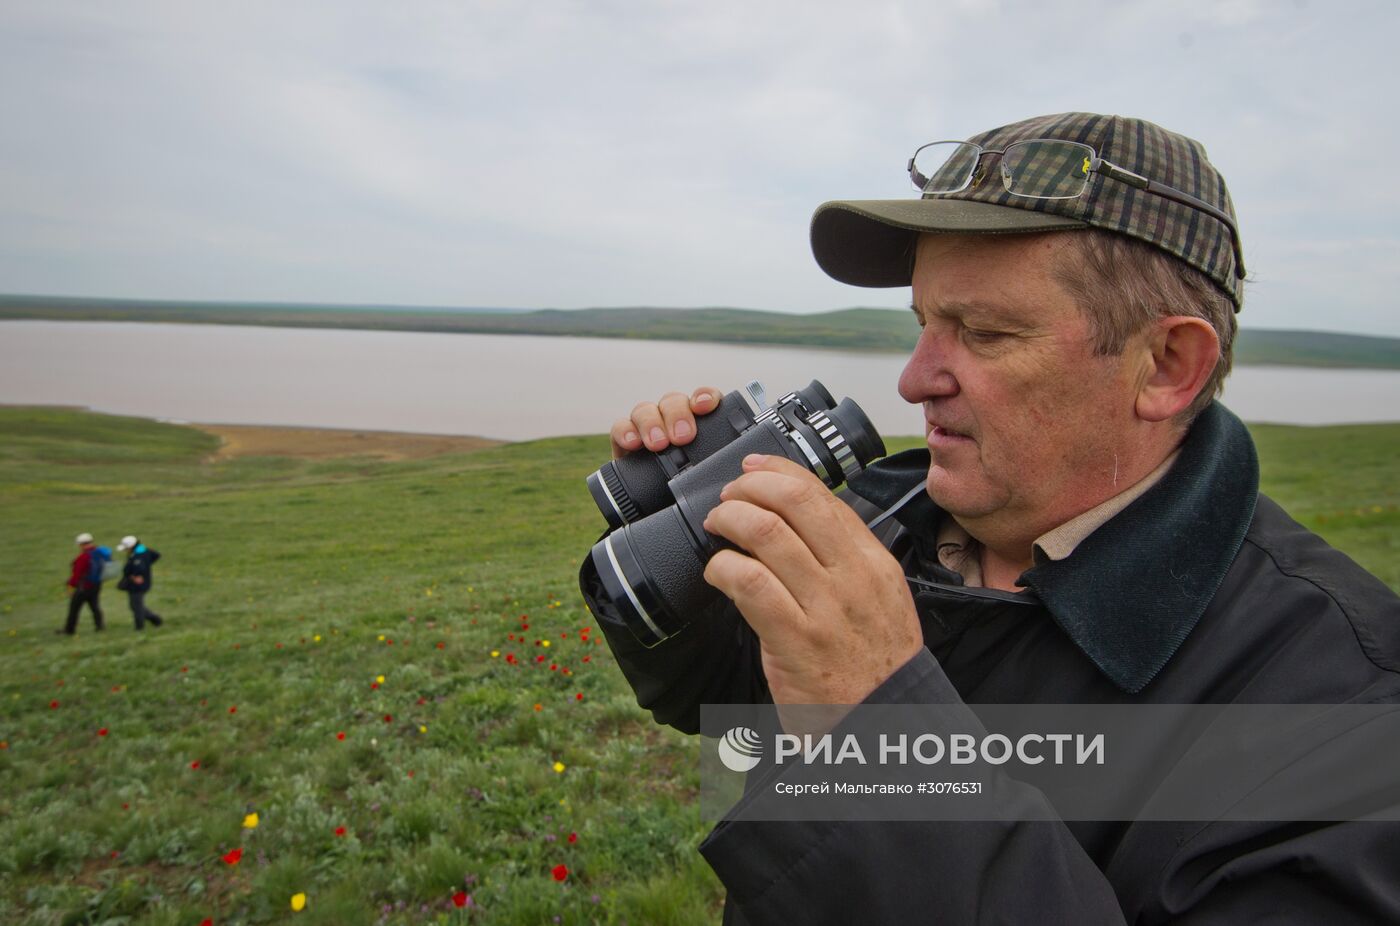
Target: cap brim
{"type": "Point", "coordinates": [871, 242]}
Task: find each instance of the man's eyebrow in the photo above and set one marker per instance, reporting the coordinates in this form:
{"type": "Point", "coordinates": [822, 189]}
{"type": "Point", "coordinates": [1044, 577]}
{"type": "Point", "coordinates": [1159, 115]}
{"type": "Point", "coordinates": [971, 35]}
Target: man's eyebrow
{"type": "Point", "coordinates": [986, 312]}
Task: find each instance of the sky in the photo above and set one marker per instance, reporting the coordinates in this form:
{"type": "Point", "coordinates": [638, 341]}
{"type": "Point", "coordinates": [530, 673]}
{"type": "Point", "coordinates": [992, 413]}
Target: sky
{"type": "Point", "coordinates": [601, 153]}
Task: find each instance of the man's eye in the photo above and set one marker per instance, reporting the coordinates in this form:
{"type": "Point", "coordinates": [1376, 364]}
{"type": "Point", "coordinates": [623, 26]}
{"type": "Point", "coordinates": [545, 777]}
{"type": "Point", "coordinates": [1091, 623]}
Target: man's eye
{"type": "Point", "coordinates": [983, 336]}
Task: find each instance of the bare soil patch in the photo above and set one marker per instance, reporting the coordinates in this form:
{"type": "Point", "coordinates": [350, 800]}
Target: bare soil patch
{"type": "Point", "coordinates": [327, 443]}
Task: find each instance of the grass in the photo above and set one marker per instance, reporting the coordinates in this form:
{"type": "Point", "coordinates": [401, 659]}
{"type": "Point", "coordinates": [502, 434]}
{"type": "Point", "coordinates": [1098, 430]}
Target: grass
{"type": "Point", "coordinates": [290, 585]}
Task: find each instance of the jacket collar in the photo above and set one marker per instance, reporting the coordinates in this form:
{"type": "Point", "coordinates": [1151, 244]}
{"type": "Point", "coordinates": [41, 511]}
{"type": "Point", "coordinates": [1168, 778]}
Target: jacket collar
{"type": "Point", "coordinates": [1132, 591]}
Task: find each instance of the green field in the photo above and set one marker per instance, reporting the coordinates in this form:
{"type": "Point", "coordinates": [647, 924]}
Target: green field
{"type": "Point", "coordinates": [289, 587]}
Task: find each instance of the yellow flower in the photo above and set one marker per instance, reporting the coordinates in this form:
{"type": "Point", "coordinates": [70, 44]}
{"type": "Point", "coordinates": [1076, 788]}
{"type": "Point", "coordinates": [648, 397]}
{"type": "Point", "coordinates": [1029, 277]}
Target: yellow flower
{"type": "Point", "coordinates": [559, 767]}
{"type": "Point", "coordinates": [298, 902]}
{"type": "Point", "coordinates": [379, 679]}
{"type": "Point", "coordinates": [250, 822]}
{"type": "Point", "coordinates": [428, 592]}
{"type": "Point", "coordinates": [495, 653]}
{"type": "Point", "coordinates": [544, 643]}
{"type": "Point", "coordinates": [316, 639]}
{"type": "Point", "coordinates": [422, 729]}
{"type": "Point", "coordinates": [381, 638]}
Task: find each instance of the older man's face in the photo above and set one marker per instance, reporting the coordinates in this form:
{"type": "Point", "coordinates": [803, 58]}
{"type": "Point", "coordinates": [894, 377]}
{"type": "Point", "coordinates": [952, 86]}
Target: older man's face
{"type": "Point", "coordinates": [1026, 425]}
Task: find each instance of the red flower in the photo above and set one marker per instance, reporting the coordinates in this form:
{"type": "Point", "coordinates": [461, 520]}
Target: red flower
{"type": "Point", "coordinates": [233, 710]}
{"type": "Point", "coordinates": [340, 735]}
{"type": "Point", "coordinates": [573, 837]}
{"type": "Point", "coordinates": [340, 831]}
{"type": "Point", "coordinates": [587, 658]}
{"type": "Point", "coordinates": [459, 899]}
{"type": "Point", "coordinates": [579, 696]}
{"type": "Point", "coordinates": [388, 718]}
{"type": "Point", "coordinates": [560, 872]}
{"type": "Point", "coordinates": [184, 668]}
{"type": "Point", "coordinates": [207, 922]}
{"type": "Point", "coordinates": [279, 645]}
{"type": "Point", "coordinates": [422, 700]}
{"type": "Point", "coordinates": [53, 704]}
{"type": "Point", "coordinates": [444, 645]}
{"type": "Point", "coordinates": [115, 853]}
{"type": "Point", "coordinates": [373, 685]}
{"type": "Point", "coordinates": [234, 857]}
{"type": "Point", "coordinates": [126, 807]}
{"type": "Point", "coordinates": [102, 732]}
{"type": "Point", "coordinates": [539, 658]}
{"type": "Point", "coordinates": [195, 765]}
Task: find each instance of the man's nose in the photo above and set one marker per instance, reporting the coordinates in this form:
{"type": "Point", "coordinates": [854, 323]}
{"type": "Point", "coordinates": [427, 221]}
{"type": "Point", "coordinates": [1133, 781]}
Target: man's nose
{"type": "Point", "coordinates": [926, 374]}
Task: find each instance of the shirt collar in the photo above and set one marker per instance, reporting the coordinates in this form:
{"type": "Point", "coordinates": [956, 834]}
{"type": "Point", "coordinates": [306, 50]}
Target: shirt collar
{"type": "Point", "coordinates": [1129, 592]}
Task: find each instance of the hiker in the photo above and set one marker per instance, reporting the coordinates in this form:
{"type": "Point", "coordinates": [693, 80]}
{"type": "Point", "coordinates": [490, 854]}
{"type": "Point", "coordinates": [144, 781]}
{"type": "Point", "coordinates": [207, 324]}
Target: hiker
{"type": "Point", "coordinates": [136, 579]}
{"type": "Point", "coordinates": [1084, 526]}
{"type": "Point", "coordinates": [85, 583]}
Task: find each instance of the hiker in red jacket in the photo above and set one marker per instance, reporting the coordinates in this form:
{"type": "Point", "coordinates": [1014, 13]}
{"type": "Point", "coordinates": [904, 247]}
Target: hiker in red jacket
{"type": "Point", "coordinates": [85, 587]}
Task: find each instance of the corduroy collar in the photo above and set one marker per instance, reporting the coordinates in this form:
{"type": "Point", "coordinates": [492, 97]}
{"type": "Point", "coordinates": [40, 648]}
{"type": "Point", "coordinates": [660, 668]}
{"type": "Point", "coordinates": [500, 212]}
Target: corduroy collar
{"type": "Point", "coordinates": [1132, 591]}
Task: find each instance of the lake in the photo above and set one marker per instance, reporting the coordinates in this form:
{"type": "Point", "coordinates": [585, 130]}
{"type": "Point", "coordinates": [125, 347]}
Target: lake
{"type": "Point", "coordinates": [502, 386]}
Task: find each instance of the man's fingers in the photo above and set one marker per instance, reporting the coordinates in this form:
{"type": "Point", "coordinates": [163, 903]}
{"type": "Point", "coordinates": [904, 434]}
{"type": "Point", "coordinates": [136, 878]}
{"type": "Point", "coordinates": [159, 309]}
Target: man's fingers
{"type": "Point", "coordinates": [650, 425]}
{"type": "Point", "coordinates": [821, 521]}
{"type": "Point", "coordinates": [679, 421]}
{"type": "Point", "coordinates": [704, 400]}
{"type": "Point", "coordinates": [765, 602]}
{"type": "Point", "coordinates": [769, 539]}
{"type": "Point", "coordinates": [625, 437]}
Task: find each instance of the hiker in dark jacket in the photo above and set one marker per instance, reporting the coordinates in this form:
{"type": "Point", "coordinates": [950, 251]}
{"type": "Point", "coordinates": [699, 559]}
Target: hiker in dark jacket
{"type": "Point", "coordinates": [85, 584]}
{"type": "Point", "coordinates": [1084, 527]}
{"type": "Point", "coordinates": [137, 581]}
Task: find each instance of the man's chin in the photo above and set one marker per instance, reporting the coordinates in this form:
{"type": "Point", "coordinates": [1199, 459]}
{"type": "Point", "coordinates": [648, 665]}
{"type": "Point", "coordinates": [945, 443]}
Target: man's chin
{"type": "Point", "coordinates": [952, 494]}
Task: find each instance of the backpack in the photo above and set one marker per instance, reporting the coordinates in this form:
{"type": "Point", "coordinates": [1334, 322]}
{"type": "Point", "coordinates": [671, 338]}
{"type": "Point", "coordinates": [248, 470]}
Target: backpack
{"type": "Point", "coordinates": [103, 567]}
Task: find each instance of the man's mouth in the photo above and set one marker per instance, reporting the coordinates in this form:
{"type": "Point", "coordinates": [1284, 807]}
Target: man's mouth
{"type": "Point", "coordinates": [940, 434]}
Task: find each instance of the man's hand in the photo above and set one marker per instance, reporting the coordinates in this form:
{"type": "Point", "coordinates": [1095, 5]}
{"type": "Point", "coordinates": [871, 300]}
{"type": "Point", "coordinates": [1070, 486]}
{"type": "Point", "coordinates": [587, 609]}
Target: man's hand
{"type": "Point", "coordinates": [138, 580]}
{"type": "Point", "coordinates": [830, 605]}
{"type": "Point", "coordinates": [657, 425]}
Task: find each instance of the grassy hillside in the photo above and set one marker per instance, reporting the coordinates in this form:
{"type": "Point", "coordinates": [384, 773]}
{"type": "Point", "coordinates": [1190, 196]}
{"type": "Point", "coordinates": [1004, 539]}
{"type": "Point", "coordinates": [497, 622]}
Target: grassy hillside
{"type": "Point", "coordinates": [290, 586]}
{"type": "Point", "coordinates": [860, 329]}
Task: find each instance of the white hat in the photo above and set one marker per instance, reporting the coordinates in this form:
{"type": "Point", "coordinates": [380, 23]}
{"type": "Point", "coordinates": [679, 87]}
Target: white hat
{"type": "Point", "coordinates": [128, 543]}
{"type": "Point", "coordinates": [84, 538]}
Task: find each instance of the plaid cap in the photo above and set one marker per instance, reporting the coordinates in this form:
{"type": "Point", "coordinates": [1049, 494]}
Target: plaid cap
{"type": "Point", "coordinates": [871, 242]}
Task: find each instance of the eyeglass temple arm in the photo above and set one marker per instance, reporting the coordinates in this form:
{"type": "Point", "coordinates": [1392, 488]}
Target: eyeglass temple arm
{"type": "Point", "coordinates": [1123, 175]}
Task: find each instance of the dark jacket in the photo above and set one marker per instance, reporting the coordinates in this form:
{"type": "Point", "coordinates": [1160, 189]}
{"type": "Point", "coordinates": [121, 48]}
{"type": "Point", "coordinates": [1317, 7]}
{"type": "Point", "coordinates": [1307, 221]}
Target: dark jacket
{"type": "Point", "coordinates": [1200, 591]}
{"type": "Point", "coordinates": [139, 563]}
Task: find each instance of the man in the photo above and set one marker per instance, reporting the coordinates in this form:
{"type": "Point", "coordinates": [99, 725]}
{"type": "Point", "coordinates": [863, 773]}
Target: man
{"type": "Point", "coordinates": [1076, 278]}
{"type": "Point", "coordinates": [84, 584]}
{"type": "Point", "coordinates": [136, 580]}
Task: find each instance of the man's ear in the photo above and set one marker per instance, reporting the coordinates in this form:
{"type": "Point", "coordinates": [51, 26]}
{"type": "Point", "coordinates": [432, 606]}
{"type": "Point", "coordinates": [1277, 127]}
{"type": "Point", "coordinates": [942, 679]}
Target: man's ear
{"type": "Point", "coordinates": [1184, 352]}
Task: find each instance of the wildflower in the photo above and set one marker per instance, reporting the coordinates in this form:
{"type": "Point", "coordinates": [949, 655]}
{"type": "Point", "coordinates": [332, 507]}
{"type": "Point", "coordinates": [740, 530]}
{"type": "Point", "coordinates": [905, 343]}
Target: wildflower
{"type": "Point", "coordinates": [560, 872]}
{"type": "Point", "coordinates": [495, 653]}
{"type": "Point", "coordinates": [379, 679]}
{"type": "Point", "coordinates": [298, 902]}
{"type": "Point", "coordinates": [53, 705]}
{"type": "Point", "coordinates": [250, 822]}
{"type": "Point", "coordinates": [573, 838]}
{"type": "Point", "coordinates": [102, 732]}
{"type": "Point", "coordinates": [461, 899]}
{"type": "Point", "coordinates": [544, 643]}
{"type": "Point", "coordinates": [233, 857]}
{"type": "Point", "coordinates": [340, 735]}
{"type": "Point", "coordinates": [340, 831]}
{"type": "Point", "coordinates": [316, 639]}
{"type": "Point", "coordinates": [233, 709]}
{"type": "Point", "coordinates": [539, 707]}
{"type": "Point", "coordinates": [559, 767]}
{"type": "Point", "coordinates": [195, 765]}
{"type": "Point", "coordinates": [579, 696]}
{"type": "Point", "coordinates": [422, 729]}
{"type": "Point", "coordinates": [388, 718]}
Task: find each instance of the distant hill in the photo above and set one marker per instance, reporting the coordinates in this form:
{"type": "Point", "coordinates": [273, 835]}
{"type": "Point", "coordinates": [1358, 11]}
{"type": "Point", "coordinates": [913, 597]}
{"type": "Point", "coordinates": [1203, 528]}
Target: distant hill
{"type": "Point", "coordinates": [854, 329]}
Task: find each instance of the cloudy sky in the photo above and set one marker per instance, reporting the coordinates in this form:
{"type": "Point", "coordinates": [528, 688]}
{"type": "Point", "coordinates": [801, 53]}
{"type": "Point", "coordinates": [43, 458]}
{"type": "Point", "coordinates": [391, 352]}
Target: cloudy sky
{"type": "Point", "coordinates": [569, 154]}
